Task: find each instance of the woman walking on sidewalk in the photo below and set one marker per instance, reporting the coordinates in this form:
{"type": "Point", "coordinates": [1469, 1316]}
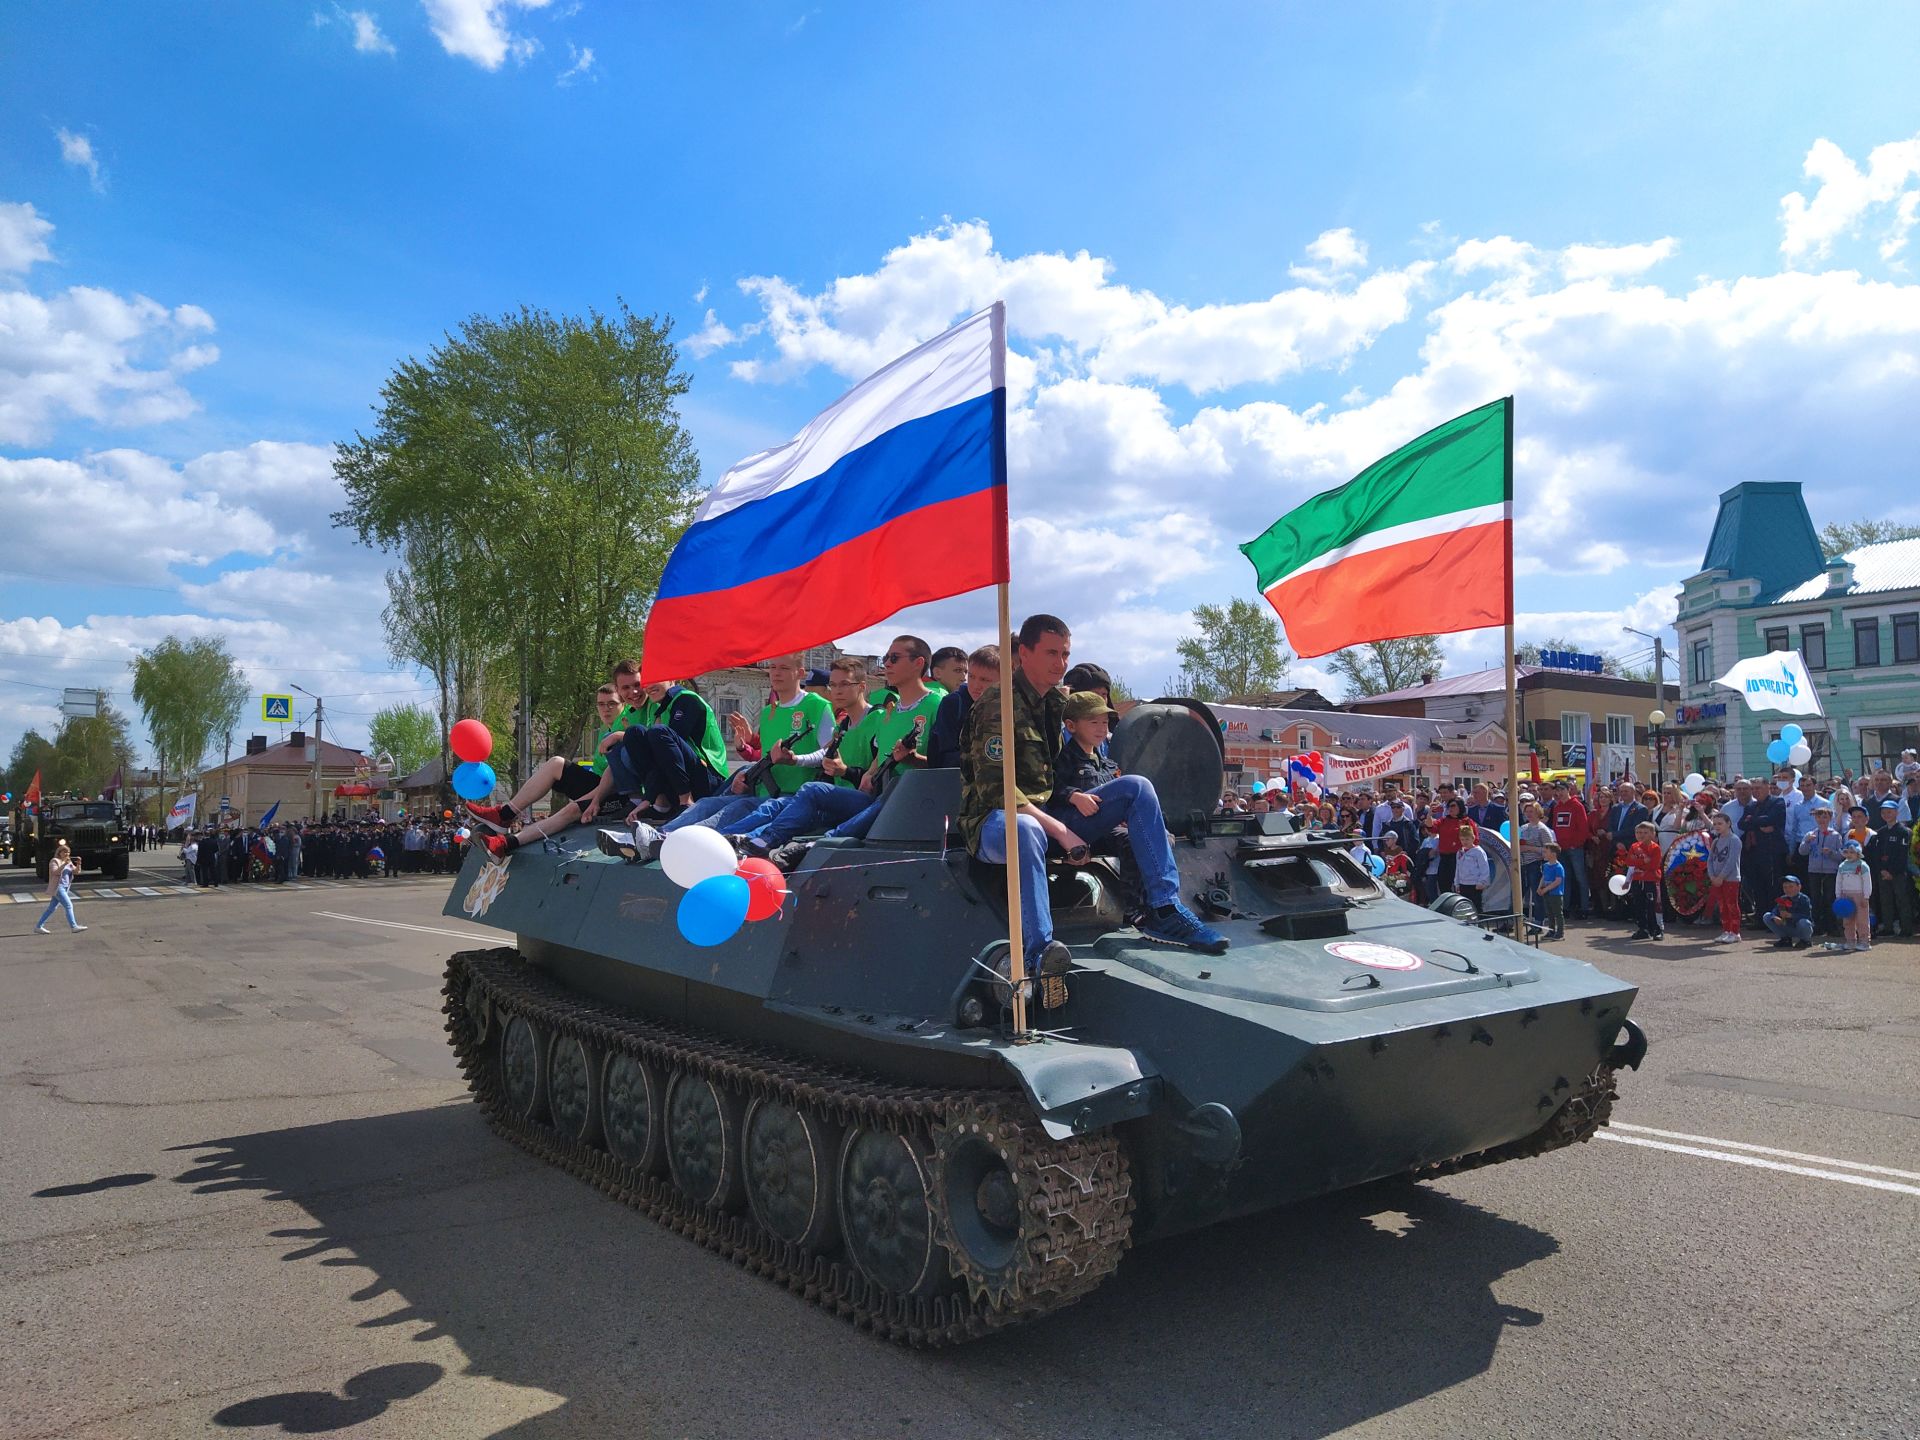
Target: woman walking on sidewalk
{"type": "Point", "coordinates": [59, 889]}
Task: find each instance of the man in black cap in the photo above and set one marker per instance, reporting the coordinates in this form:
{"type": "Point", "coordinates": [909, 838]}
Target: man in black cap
{"type": "Point", "coordinates": [1889, 851]}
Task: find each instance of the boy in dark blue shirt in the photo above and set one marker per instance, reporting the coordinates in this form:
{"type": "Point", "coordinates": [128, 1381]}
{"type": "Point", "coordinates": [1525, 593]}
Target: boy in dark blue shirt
{"type": "Point", "coordinates": [1083, 766]}
{"type": "Point", "coordinates": [1791, 919]}
{"type": "Point", "coordinates": [1552, 891]}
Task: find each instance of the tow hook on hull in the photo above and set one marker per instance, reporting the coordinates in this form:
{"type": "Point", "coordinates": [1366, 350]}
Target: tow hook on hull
{"type": "Point", "coordinates": [1630, 1050]}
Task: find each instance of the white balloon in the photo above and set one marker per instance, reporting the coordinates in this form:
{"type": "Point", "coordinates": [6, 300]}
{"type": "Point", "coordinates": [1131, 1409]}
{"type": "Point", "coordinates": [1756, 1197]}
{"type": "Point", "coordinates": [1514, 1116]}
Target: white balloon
{"type": "Point", "coordinates": [1619, 884]}
{"type": "Point", "coordinates": [1800, 754]}
{"type": "Point", "coordinates": [1691, 786]}
{"type": "Point", "coordinates": [695, 854]}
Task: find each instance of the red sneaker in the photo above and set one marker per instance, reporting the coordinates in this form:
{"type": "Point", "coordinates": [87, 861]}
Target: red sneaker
{"type": "Point", "coordinates": [498, 846]}
{"type": "Point", "coordinates": [489, 816]}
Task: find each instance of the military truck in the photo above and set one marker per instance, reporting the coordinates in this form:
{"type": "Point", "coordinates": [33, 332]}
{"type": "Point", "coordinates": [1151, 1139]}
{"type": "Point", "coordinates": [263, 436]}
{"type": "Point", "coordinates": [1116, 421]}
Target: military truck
{"type": "Point", "coordinates": [92, 829]}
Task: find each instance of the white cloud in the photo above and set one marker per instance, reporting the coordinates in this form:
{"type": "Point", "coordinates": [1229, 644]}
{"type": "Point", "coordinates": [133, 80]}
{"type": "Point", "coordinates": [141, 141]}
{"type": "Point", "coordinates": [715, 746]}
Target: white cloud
{"type": "Point", "coordinates": [1336, 251]}
{"type": "Point", "coordinates": [480, 30]}
{"type": "Point", "coordinates": [1845, 196]}
{"type": "Point", "coordinates": [23, 237]}
{"type": "Point", "coordinates": [367, 37]}
{"type": "Point", "coordinates": [1609, 262]}
{"type": "Point", "coordinates": [1112, 331]}
{"type": "Point", "coordinates": [582, 64]}
{"type": "Point", "coordinates": [711, 336]}
{"type": "Point", "coordinates": [77, 150]}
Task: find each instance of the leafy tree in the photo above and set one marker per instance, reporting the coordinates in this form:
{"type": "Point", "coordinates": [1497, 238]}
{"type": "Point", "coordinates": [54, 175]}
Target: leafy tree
{"type": "Point", "coordinates": [1383, 665]}
{"type": "Point", "coordinates": [408, 733]}
{"type": "Point", "coordinates": [88, 751]}
{"type": "Point", "coordinates": [533, 472]}
{"type": "Point", "coordinates": [32, 753]}
{"type": "Point", "coordinates": [188, 692]}
{"type": "Point", "coordinates": [1237, 652]}
{"type": "Point", "coordinates": [1839, 536]}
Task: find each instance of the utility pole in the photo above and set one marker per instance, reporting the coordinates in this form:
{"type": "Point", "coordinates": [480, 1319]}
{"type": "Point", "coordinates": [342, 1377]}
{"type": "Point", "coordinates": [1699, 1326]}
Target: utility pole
{"type": "Point", "coordinates": [1659, 697]}
{"type": "Point", "coordinates": [319, 717]}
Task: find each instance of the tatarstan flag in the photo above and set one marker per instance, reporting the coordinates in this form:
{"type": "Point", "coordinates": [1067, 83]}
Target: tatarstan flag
{"type": "Point", "coordinates": [1420, 543]}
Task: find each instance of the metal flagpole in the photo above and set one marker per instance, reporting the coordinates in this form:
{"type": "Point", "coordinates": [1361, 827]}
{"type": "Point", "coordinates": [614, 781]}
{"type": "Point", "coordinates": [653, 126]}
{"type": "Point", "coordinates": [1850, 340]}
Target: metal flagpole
{"type": "Point", "coordinates": [1513, 722]}
{"type": "Point", "coordinates": [1009, 669]}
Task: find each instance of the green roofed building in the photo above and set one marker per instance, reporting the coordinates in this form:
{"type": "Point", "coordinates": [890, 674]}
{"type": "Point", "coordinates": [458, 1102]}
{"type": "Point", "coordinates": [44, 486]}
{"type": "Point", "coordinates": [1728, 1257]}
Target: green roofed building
{"type": "Point", "coordinates": [1855, 618]}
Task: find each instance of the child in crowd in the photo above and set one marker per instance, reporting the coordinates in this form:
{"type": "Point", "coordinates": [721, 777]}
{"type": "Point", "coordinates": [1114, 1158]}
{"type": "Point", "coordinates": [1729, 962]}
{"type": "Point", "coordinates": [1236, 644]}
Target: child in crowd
{"type": "Point", "coordinates": [1534, 838]}
{"type": "Point", "coordinates": [1791, 919]}
{"type": "Point", "coordinates": [1723, 877]}
{"type": "Point", "coordinates": [1643, 874]}
{"type": "Point", "coordinates": [1550, 893]}
{"type": "Point", "coordinates": [1471, 868]}
{"type": "Point", "coordinates": [1399, 871]}
{"type": "Point", "coordinates": [1083, 766]}
{"type": "Point", "coordinates": [1854, 881]}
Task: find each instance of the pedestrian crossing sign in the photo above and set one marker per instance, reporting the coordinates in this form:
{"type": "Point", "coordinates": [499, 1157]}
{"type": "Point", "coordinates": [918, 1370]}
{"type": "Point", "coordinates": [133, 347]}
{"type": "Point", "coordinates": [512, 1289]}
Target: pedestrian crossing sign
{"type": "Point", "coordinates": [276, 707]}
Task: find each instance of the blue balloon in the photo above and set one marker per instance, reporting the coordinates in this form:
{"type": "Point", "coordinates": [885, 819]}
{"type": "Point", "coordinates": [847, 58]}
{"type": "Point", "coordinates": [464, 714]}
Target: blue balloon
{"type": "Point", "coordinates": [1506, 831]}
{"type": "Point", "coordinates": [1778, 751]}
{"type": "Point", "coordinates": [1792, 734]}
{"type": "Point", "coordinates": [1843, 907]}
{"type": "Point", "coordinates": [473, 780]}
{"type": "Point", "coordinates": [1259, 787]}
{"type": "Point", "coordinates": [712, 911]}
{"type": "Point", "coordinates": [1377, 864]}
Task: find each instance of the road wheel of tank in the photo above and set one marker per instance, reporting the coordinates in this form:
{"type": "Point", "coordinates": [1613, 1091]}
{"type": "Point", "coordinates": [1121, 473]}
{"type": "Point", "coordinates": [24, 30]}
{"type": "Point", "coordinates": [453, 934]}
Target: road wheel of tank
{"type": "Point", "coordinates": [521, 1080]}
{"type": "Point", "coordinates": [703, 1141]}
{"type": "Point", "coordinates": [573, 1089]}
{"type": "Point", "coordinates": [479, 1010]}
{"type": "Point", "coordinates": [1012, 1206]}
{"type": "Point", "coordinates": [886, 1211]}
{"type": "Point", "coordinates": [787, 1164]}
{"type": "Point", "coordinates": [630, 1113]}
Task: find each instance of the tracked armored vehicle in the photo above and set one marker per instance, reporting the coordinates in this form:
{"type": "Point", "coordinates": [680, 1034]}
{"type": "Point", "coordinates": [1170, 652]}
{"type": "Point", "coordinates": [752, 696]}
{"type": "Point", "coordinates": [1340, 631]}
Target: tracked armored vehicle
{"type": "Point", "coordinates": [834, 1098]}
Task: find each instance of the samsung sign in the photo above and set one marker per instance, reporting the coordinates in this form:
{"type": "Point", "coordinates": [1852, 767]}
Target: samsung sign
{"type": "Point", "coordinates": [1572, 660]}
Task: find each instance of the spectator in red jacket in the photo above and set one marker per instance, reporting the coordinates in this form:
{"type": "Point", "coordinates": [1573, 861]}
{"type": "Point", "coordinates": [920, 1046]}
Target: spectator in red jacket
{"type": "Point", "coordinates": [1572, 827]}
{"type": "Point", "coordinates": [1447, 831]}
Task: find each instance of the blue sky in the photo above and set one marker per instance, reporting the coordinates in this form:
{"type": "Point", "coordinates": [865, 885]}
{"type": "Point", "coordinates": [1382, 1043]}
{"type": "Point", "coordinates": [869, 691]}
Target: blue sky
{"type": "Point", "coordinates": [1246, 249]}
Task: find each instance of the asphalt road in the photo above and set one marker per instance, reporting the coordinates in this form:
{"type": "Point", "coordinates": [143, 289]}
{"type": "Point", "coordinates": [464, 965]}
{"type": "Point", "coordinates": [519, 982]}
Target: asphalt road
{"type": "Point", "coordinates": [242, 1193]}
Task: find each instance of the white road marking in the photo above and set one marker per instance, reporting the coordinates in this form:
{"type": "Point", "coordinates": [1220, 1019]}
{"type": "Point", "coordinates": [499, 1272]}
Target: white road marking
{"type": "Point", "coordinates": [397, 925]}
{"type": "Point", "coordinates": [145, 890]}
{"type": "Point", "coordinates": [101, 892]}
{"type": "Point", "coordinates": [22, 898]}
{"type": "Point", "coordinates": [1766, 1150]}
{"type": "Point", "coordinates": [1758, 1163]}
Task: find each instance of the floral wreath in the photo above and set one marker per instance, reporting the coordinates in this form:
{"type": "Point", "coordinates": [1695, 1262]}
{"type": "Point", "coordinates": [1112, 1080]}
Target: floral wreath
{"type": "Point", "coordinates": [1686, 875]}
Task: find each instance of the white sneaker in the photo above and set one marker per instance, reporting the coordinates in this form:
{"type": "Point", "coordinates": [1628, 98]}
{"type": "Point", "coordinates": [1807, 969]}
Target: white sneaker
{"type": "Point", "coordinates": [41, 930]}
{"type": "Point", "coordinates": [78, 928]}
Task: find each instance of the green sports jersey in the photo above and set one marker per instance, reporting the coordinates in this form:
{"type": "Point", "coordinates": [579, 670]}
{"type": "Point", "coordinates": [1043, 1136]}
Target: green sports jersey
{"type": "Point", "coordinates": [895, 726]}
{"type": "Point", "coordinates": [599, 760]}
{"type": "Point", "coordinates": [856, 748]}
{"type": "Point", "coordinates": [799, 723]}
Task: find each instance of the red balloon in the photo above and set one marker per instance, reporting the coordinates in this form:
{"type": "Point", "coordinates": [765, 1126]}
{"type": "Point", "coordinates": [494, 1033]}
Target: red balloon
{"type": "Point", "coordinates": [766, 887]}
{"type": "Point", "coordinates": [471, 740]}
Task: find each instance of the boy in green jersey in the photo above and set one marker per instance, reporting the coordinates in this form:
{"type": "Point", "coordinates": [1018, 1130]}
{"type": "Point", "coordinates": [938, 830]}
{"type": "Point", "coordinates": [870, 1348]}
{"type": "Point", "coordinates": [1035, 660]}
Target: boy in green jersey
{"type": "Point", "coordinates": [821, 803]}
{"type": "Point", "coordinates": [606, 705]}
{"type": "Point", "coordinates": [793, 721]}
{"type": "Point", "coordinates": [582, 792]}
{"type": "Point", "coordinates": [673, 749]}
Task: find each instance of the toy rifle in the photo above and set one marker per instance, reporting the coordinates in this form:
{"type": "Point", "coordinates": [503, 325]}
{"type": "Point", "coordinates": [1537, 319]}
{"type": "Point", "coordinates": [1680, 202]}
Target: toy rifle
{"type": "Point", "coordinates": [883, 770]}
{"type": "Point", "coordinates": [756, 774]}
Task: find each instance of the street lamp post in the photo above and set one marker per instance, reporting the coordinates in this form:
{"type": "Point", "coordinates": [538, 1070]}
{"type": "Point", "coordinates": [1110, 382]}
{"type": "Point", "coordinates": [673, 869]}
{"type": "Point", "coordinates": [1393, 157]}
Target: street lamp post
{"type": "Point", "coordinates": [1655, 719]}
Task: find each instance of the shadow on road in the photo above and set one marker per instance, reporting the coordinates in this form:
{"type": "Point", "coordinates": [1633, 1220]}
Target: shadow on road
{"type": "Point", "coordinates": [314, 1412]}
{"type": "Point", "coordinates": [90, 1187]}
{"type": "Point", "coordinates": [1299, 1323]}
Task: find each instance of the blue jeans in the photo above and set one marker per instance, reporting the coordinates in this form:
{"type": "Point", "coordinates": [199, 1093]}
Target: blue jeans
{"type": "Point", "coordinates": [1799, 930]}
{"type": "Point", "coordinates": [1131, 801]}
{"type": "Point", "coordinates": [861, 823]}
{"type": "Point", "coordinates": [715, 812]}
{"type": "Point", "coordinates": [1579, 895]}
{"type": "Point", "coordinates": [1529, 883]}
{"type": "Point", "coordinates": [814, 809]}
{"type": "Point", "coordinates": [61, 901]}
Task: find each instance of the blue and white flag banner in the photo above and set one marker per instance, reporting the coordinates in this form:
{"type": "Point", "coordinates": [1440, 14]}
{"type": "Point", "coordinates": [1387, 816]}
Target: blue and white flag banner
{"type": "Point", "coordinates": [182, 812]}
{"type": "Point", "coordinates": [1776, 682]}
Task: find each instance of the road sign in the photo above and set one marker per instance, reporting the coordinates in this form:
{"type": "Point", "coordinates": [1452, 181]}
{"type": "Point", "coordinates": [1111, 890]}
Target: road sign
{"type": "Point", "coordinates": [225, 804]}
{"type": "Point", "coordinates": [76, 704]}
{"type": "Point", "coordinates": [276, 707]}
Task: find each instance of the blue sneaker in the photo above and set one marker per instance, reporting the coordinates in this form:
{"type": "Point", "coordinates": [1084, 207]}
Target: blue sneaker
{"type": "Point", "coordinates": [1180, 926]}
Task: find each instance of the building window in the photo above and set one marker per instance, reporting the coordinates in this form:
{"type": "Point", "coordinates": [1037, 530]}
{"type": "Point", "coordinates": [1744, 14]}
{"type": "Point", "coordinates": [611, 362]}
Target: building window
{"type": "Point", "coordinates": [1702, 662]}
{"type": "Point", "coordinates": [1305, 737]}
{"type": "Point", "coordinates": [1866, 642]}
{"type": "Point", "coordinates": [1620, 730]}
{"type": "Point", "coordinates": [1573, 727]}
{"type": "Point", "coordinates": [1813, 646]}
{"type": "Point", "coordinates": [1776, 639]}
{"type": "Point", "coordinates": [1906, 639]}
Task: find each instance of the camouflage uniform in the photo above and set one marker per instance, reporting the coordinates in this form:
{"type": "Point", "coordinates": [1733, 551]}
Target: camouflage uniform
{"type": "Point", "coordinates": [1038, 721]}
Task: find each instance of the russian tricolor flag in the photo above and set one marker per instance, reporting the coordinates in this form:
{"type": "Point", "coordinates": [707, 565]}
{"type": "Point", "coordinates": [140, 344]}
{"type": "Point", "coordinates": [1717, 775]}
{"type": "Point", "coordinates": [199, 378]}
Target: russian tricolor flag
{"type": "Point", "coordinates": [894, 495]}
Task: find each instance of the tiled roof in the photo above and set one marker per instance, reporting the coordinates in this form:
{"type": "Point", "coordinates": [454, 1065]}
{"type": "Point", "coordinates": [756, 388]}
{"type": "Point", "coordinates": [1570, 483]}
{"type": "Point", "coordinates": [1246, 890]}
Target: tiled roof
{"type": "Point", "coordinates": [1890, 565]}
{"type": "Point", "coordinates": [1763, 532]}
{"type": "Point", "coordinates": [284, 753]}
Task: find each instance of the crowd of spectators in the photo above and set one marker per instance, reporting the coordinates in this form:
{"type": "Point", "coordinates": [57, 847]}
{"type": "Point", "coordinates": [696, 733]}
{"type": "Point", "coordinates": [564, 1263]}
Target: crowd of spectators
{"type": "Point", "coordinates": [337, 849]}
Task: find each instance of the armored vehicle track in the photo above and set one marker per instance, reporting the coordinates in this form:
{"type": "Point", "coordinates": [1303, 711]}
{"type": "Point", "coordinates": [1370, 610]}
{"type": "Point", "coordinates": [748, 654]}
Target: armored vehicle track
{"type": "Point", "coordinates": [928, 1215]}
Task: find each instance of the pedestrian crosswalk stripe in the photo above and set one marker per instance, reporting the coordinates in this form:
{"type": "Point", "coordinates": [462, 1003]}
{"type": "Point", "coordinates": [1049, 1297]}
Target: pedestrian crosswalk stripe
{"type": "Point", "coordinates": [106, 894]}
{"type": "Point", "coordinates": [23, 898]}
{"type": "Point", "coordinates": [145, 890]}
